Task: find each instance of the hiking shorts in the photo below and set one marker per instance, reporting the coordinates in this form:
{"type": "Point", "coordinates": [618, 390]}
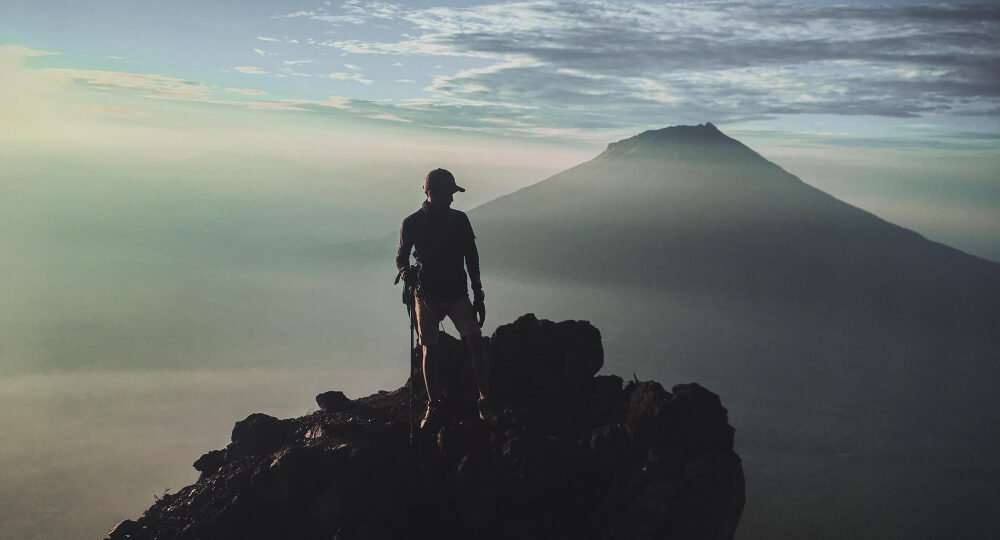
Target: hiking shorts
{"type": "Point", "coordinates": [430, 315]}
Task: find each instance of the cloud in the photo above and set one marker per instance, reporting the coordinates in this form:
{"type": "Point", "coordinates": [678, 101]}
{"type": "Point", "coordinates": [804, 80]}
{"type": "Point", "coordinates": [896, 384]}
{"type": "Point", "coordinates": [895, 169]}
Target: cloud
{"type": "Point", "coordinates": [246, 91]}
{"type": "Point", "coordinates": [338, 102]}
{"type": "Point", "coordinates": [597, 63]}
{"type": "Point", "coordinates": [149, 85]}
{"type": "Point", "coordinates": [388, 116]}
{"type": "Point", "coordinates": [280, 105]}
{"type": "Point", "coordinates": [20, 51]}
{"type": "Point", "coordinates": [39, 98]}
{"type": "Point", "coordinates": [250, 70]}
{"type": "Point", "coordinates": [355, 12]}
{"type": "Point", "coordinates": [295, 15]}
{"type": "Point", "coordinates": [284, 39]}
{"type": "Point", "coordinates": [542, 67]}
{"type": "Point", "coordinates": [349, 76]}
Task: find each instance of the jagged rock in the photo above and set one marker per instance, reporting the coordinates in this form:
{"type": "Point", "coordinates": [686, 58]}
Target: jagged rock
{"type": "Point", "coordinates": [211, 461]}
{"type": "Point", "coordinates": [698, 419]}
{"type": "Point", "coordinates": [332, 401]}
{"type": "Point", "coordinates": [127, 530]}
{"type": "Point", "coordinates": [257, 434]}
{"type": "Point", "coordinates": [648, 406]}
{"type": "Point", "coordinates": [573, 455]}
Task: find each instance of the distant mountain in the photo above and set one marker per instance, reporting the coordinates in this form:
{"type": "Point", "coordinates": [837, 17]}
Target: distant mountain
{"type": "Point", "coordinates": [688, 208]}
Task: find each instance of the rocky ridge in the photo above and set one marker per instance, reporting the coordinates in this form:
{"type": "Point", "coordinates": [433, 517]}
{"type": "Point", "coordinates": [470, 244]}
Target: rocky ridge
{"type": "Point", "coordinates": [573, 454]}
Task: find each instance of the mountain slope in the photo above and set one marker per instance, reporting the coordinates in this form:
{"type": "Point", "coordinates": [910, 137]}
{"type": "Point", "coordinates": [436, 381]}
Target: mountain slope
{"type": "Point", "coordinates": [861, 358]}
{"type": "Point", "coordinates": [687, 208]}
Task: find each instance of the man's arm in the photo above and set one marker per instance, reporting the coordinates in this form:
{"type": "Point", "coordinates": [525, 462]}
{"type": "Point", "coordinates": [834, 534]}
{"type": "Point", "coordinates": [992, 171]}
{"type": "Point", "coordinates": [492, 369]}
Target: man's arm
{"type": "Point", "coordinates": [472, 263]}
{"type": "Point", "coordinates": [404, 249]}
{"type": "Point", "coordinates": [472, 257]}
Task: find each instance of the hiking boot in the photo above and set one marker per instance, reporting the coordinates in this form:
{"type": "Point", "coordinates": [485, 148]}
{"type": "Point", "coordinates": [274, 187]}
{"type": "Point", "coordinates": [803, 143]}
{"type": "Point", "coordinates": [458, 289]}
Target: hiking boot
{"type": "Point", "coordinates": [434, 416]}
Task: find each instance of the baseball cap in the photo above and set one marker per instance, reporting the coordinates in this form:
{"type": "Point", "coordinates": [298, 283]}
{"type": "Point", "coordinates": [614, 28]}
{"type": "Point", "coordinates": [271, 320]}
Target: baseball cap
{"type": "Point", "coordinates": [441, 180]}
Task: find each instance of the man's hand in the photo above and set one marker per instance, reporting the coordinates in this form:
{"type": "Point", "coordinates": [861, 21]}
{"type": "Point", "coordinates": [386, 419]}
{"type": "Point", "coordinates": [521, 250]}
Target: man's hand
{"type": "Point", "coordinates": [479, 306]}
{"type": "Point", "coordinates": [409, 275]}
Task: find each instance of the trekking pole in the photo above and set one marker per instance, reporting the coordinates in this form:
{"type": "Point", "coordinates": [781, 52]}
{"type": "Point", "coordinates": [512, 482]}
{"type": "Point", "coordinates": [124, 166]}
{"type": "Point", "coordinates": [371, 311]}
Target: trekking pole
{"type": "Point", "coordinates": [409, 311]}
{"type": "Point", "coordinates": [409, 297]}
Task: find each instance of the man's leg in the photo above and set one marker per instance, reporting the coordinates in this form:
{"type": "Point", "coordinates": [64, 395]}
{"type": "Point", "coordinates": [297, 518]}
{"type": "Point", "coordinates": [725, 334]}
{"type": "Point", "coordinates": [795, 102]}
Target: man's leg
{"type": "Point", "coordinates": [480, 363]}
{"type": "Point", "coordinates": [427, 325]}
{"type": "Point", "coordinates": [461, 314]}
{"type": "Point", "coordinates": [432, 372]}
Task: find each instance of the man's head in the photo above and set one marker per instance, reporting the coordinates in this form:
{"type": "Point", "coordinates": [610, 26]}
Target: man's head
{"type": "Point", "coordinates": [439, 185]}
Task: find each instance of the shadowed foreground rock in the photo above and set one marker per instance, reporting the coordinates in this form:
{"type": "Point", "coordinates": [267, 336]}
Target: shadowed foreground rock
{"type": "Point", "coordinates": [572, 455]}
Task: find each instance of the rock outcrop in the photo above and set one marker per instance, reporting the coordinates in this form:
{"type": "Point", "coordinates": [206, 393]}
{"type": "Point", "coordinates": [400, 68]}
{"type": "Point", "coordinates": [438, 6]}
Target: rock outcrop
{"type": "Point", "coordinates": [572, 455]}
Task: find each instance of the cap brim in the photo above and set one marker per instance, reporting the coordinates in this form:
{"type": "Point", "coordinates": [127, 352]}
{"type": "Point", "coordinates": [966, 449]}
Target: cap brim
{"type": "Point", "coordinates": [458, 188]}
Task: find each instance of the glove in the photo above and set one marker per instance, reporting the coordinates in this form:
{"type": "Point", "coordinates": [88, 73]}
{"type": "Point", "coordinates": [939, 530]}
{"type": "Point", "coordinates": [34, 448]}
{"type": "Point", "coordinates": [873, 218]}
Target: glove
{"type": "Point", "coordinates": [479, 306]}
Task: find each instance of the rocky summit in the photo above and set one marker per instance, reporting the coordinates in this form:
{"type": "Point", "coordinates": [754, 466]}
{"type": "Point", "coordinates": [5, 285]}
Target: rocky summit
{"type": "Point", "coordinates": [571, 454]}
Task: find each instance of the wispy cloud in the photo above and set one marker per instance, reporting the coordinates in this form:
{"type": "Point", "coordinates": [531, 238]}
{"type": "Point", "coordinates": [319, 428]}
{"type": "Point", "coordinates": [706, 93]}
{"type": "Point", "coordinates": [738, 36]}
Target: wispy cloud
{"type": "Point", "coordinates": [338, 102]}
{"type": "Point", "coordinates": [349, 76]}
{"type": "Point", "coordinates": [246, 91]}
{"type": "Point", "coordinates": [150, 85]}
{"type": "Point", "coordinates": [295, 15]}
{"type": "Point", "coordinates": [354, 12]}
{"type": "Point", "coordinates": [541, 67]}
{"type": "Point", "coordinates": [609, 64]}
{"type": "Point", "coordinates": [20, 51]}
{"type": "Point", "coordinates": [388, 116]}
{"type": "Point", "coordinates": [250, 70]}
{"type": "Point", "coordinates": [284, 39]}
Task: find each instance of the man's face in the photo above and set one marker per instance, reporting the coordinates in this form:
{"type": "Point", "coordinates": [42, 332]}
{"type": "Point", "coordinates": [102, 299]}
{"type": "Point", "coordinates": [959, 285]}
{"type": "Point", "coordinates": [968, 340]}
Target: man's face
{"type": "Point", "coordinates": [443, 198]}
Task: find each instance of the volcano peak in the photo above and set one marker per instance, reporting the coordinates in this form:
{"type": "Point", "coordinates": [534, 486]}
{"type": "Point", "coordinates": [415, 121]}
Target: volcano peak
{"type": "Point", "coordinates": [702, 142]}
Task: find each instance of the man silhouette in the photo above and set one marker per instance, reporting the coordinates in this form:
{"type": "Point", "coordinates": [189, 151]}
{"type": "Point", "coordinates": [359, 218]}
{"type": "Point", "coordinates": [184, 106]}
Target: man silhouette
{"type": "Point", "coordinates": [442, 239]}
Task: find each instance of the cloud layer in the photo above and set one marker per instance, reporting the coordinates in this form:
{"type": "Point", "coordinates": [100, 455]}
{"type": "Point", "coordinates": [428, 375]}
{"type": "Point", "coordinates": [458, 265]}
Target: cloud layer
{"type": "Point", "coordinates": [608, 64]}
{"type": "Point", "coordinates": [596, 69]}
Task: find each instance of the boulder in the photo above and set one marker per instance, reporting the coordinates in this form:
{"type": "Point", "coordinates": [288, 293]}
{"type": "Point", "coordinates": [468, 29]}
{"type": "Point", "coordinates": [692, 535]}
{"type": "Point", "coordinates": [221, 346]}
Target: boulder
{"type": "Point", "coordinates": [333, 401]}
{"type": "Point", "coordinates": [257, 434]}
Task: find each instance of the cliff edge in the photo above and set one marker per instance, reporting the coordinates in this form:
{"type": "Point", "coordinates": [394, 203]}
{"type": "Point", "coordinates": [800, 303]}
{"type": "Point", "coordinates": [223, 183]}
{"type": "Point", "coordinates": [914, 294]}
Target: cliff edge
{"type": "Point", "coordinates": [573, 455]}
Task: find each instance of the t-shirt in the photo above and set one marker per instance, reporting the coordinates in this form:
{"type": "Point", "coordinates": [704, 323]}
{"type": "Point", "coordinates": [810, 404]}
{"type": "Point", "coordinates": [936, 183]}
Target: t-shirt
{"type": "Point", "coordinates": [441, 253]}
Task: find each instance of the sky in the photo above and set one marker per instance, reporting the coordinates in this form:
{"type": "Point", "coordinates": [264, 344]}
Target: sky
{"type": "Point", "coordinates": [919, 75]}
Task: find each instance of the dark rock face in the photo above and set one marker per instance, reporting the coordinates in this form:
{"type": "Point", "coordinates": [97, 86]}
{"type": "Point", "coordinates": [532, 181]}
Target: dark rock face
{"type": "Point", "coordinates": [332, 401]}
{"type": "Point", "coordinates": [257, 434]}
{"type": "Point", "coordinates": [573, 455]}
